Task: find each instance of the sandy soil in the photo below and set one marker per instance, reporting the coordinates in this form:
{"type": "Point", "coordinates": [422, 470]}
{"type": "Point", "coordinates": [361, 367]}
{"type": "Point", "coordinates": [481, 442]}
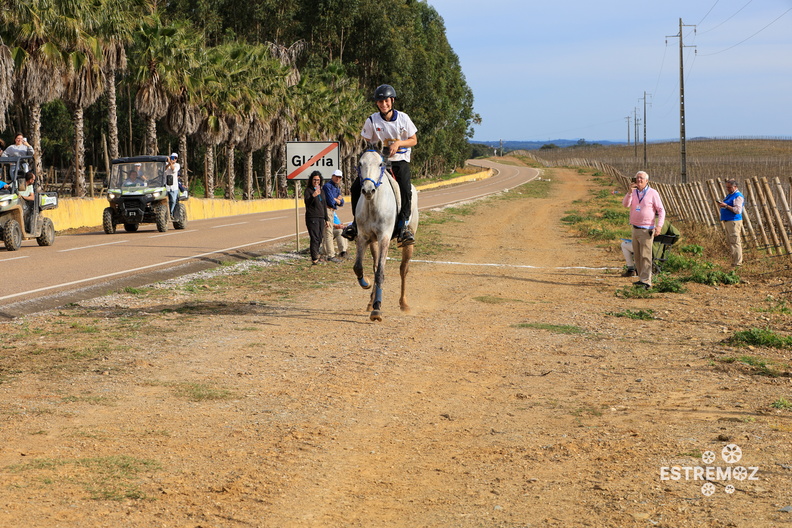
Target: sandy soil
{"type": "Point", "coordinates": [462, 413]}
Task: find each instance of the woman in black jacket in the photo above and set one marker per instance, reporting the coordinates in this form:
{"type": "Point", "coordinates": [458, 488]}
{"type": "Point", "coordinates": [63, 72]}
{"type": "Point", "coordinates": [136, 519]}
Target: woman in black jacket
{"type": "Point", "coordinates": [315, 213]}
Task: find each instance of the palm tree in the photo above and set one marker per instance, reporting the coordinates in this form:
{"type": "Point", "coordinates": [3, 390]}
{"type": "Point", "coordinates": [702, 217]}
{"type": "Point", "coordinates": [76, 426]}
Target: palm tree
{"type": "Point", "coordinates": [84, 85]}
{"type": "Point", "coordinates": [40, 35]}
{"type": "Point", "coordinates": [6, 92]}
{"type": "Point", "coordinates": [285, 114]}
{"type": "Point", "coordinates": [184, 116]}
{"type": "Point", "coordinates": [158, 51]}
{"type": "Point", "coordinates": [116, 23]}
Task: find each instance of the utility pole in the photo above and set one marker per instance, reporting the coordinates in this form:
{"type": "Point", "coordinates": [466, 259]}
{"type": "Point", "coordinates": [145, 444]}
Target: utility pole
{"type": "Point", "coordinates": [682, 139]}
{"type": "Point", "coordinates": [646, 165]}
{"type": "Point", "coordinates": [636, 121]}
{"type": "Point", "coordinates": [628, 118]}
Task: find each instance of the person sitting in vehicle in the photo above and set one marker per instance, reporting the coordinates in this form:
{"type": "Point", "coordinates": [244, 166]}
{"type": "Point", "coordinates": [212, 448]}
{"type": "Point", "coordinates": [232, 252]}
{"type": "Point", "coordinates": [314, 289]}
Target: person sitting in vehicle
{"type": "Point", "coordinates": [27, 192]}
{"type": "Point", "coordinates": [20, 147]}
{"type": "Point", "coordinates": [134, 178]}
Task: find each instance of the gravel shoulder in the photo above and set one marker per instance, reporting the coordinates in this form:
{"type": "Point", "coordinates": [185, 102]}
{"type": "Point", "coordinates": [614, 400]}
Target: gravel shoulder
{"type": "Point", "coordinates": [509, 396]}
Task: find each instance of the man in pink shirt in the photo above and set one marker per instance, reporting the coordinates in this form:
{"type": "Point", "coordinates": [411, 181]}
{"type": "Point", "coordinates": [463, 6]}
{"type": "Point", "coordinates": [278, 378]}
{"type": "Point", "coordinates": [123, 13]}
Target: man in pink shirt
{"type": "Point", "coordinates": [646, 217]}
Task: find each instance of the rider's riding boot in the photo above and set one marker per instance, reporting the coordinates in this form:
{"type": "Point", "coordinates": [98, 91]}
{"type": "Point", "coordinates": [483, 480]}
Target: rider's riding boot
{"type": "Point", "coordinates": [405, 236]}
{"type": "Point", "coordinates": [350, 231]}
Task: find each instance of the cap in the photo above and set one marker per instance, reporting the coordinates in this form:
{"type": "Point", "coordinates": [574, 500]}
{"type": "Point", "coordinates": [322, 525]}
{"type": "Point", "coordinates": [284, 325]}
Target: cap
{"type": "Point", "coordinates": [174, 155]}
{"type": "Point", "coordinates": [137, 164]}
{"type": "Point", "coordinates": [337, 173]}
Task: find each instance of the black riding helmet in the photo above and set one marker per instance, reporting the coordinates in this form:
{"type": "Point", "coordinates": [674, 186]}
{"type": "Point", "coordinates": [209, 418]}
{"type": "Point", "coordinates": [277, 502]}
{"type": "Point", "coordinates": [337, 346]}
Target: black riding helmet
{"type": "Point", "coordinates": [384, 91]}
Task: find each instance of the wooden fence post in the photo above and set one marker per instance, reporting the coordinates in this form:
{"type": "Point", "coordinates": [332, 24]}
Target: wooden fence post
{"type": "Point", "coordinates": [779, 222]}
{"type": "Point", "coordinates": [751, 195]}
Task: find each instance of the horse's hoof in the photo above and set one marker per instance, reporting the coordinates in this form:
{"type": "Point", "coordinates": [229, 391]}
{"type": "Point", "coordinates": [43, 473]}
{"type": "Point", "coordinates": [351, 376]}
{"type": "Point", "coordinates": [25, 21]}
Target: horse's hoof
{"type": "Point", "coordinates": [405, 308]}
{"type": "Point", "coordinates": [376, 315]}
{"type": "Point", "coordinates": [366, 285]}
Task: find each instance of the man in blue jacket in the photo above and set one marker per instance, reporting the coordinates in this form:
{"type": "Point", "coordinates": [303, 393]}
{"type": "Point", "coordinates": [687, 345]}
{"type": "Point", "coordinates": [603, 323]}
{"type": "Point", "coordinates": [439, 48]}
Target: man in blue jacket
{"type": "Point", "coordinates": [731, 209]}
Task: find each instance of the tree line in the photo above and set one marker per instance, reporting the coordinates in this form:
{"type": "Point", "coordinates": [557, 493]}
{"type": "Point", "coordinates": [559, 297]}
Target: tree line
{"type": "Point", "coordinates": [93, 80]}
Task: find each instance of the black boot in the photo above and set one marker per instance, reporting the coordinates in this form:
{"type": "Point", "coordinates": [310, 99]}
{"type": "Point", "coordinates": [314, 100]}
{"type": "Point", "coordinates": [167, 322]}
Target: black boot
{"type": "Point", "coordinates": [405, 237]}
{"type": "Point", "coordinates": [350, 232]}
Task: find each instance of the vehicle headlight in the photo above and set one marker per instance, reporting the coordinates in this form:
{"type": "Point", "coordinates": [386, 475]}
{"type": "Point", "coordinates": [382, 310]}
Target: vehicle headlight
{"type": "Point", "coordinates": [155, 194]}
{"type": "Point", "coordinates": [112, 196]}
{"type": "Point", "coordinates": [5, 203]}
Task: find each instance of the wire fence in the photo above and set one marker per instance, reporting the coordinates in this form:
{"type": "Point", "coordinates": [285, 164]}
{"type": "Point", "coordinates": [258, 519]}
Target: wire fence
{"type": "Point", "coordinates": [767, 217]}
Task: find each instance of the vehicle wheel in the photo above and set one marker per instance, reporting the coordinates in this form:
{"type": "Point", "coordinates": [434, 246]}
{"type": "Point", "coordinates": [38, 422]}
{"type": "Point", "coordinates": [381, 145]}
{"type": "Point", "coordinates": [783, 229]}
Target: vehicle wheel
{"type": "Point", "coordinates": [108, 223]}
{"type": "Point", "coordinates": [12, 235]}
{"type": "Point", "coordinates": [161, 214]}
{"type": "Point", "coordinates": [131, 228]}
{"type": "Point", "coordinates": [180, 220]}
{"type": "Point", "coordinates": [47, 236]}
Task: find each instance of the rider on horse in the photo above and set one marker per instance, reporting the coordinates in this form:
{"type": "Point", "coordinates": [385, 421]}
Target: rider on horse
{"type": "Point", "coordinates": [398, 135]}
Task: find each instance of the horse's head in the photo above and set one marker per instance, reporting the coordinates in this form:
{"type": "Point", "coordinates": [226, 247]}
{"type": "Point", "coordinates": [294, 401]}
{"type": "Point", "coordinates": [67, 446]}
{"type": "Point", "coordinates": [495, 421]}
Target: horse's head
{"type": "Point", "coordinates": [372, 172]}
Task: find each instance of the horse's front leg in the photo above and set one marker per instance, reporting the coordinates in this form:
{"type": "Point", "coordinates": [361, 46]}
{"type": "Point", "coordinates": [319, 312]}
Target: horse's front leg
{"type": "Point", "coordinates": [407, 252]}
{"type": "Point", "coordinates": [379, 279]}
{"type": "Point", "coordinates": [358, 266]}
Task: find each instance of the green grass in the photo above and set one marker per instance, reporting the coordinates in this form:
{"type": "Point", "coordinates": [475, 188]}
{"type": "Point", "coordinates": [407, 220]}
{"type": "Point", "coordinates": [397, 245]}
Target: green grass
{"type": "Point", "coordinates": [782, 403]}
{"type": "Point", "coordinates": [556, 329]}
{"type": "Point", "coordinates": [633, 292]}
{"type": "Point", "coordinates": [761, 338]}
{"type": "Point", "coordinates": [780, 307]}
{"type": "Point", "coordinates": [762, 366]}
{"type": "Point", "coordinates": [643, 315]}
{"type": "Point", "coordinates": [198, 392]}
{"type": "Point", "coordinates": [110, 478]}
{"type": "Point", "coordinates": [489, 299]}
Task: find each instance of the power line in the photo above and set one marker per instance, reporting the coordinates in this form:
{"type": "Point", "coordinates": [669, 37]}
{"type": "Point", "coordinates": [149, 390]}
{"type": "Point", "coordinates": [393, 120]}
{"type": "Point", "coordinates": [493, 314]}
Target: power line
{"type": "Point", "coordinates": [708, 12]}
{"type": "Point", "coordinates": [734, 15]}
{"type": "Point", "coordinates": [752, 36]}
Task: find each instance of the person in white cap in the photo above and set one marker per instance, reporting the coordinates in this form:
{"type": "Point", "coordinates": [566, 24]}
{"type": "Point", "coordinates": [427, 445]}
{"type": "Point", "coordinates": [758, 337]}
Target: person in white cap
{"type": "Point", "coordinates": [172, 169]}
{"type": "Point", "coordinates": [334, 199]}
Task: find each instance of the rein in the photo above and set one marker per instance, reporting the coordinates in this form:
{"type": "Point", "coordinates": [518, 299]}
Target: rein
{"type": "Point", "coordinates": [381, 174]}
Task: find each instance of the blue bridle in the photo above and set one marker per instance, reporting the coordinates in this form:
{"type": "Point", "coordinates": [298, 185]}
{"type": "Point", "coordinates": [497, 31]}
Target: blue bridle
{"type": "Point", "coordinates": [381, 174]}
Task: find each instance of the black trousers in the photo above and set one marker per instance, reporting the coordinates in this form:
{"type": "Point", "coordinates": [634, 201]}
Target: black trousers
{"type": "Point", "coordinates": [316, 228]}
{"type": "Point", "coordinates": [401, 170]}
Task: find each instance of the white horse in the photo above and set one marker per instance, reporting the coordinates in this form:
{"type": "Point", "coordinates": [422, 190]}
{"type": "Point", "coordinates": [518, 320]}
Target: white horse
{"type": "Point", "coordinates": [375, 217]}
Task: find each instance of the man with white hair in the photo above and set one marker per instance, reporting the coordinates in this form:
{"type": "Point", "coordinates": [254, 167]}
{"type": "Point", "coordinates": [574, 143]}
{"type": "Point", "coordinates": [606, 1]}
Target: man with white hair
{"type": "Point", "coordinates": [647, 216]}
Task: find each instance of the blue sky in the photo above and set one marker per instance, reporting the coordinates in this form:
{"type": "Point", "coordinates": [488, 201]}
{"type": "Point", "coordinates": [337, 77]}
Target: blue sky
{"type": "Point", "coordinates": [577, 69]}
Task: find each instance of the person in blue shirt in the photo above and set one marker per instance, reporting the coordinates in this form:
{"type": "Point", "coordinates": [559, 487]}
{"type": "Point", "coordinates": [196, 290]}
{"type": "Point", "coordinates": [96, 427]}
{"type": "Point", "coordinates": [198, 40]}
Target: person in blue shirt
{"type": "Point", "coordinates": [333, 198]}
{"type": "Point", "coordinates": [731, 209]}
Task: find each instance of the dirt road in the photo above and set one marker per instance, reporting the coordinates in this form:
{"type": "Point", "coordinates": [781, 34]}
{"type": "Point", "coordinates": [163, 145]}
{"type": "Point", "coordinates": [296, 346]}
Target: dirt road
{"type": "Point", "coordinates": [510, 396]}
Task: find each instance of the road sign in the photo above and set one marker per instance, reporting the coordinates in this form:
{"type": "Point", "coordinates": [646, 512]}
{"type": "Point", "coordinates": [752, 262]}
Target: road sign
{"type": "Point", "coordinates": [304, 157]}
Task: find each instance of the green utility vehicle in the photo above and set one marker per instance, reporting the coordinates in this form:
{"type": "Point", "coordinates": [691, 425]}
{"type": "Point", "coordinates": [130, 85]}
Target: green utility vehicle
{"type": "Point", "coordinates": [138, 195]}
{"type": "Point", "coordinates": [19, 219]}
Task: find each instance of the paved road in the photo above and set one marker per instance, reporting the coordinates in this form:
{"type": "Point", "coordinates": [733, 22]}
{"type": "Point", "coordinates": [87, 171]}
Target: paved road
{"type": "Point", "coordinates": [86, 265]}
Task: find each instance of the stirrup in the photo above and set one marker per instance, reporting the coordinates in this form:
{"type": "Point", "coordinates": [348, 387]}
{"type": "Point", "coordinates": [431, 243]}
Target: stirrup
{"type": "Point", "coordinates": [405, 237]}
{"type": "Point", "coordinates": [350, 232]}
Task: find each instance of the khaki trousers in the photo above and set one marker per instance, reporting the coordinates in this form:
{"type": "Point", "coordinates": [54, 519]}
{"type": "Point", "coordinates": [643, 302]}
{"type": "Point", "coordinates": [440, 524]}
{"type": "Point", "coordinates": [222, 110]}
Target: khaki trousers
{"type": "Point", "coordinates": [642, 250]}
{"type": "Point", "coordinates": [734, 238]}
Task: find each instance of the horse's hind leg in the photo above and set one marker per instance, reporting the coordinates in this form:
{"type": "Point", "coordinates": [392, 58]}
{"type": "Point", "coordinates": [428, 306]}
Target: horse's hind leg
{"type": "Point", "coordinates": [404, 268]}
